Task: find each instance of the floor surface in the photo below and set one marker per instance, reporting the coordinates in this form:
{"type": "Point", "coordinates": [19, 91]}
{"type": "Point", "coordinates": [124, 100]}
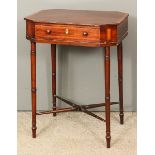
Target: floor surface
{"type": "Point", "coordinates": [75, 133]}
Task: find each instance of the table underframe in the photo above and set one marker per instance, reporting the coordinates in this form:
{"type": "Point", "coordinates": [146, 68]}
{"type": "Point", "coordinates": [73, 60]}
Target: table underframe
{"type": "Point", "coordinates": [74, 106]}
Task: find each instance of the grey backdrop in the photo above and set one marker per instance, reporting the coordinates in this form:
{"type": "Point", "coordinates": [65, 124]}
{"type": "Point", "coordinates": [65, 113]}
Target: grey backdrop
{"type": "Point", "coordinates": [80, 70]}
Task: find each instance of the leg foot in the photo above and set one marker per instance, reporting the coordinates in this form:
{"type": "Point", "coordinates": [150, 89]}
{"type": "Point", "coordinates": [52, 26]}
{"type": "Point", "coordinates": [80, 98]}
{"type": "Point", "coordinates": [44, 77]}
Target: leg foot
{"type": "Point", "coordinates": [54, 114]}
{"type": "Point", "coordinates": [108, 139]}
{"type": "Point", "coordinates": [121, 118]}
{"type": "Point", "coordinates": [34, 132]}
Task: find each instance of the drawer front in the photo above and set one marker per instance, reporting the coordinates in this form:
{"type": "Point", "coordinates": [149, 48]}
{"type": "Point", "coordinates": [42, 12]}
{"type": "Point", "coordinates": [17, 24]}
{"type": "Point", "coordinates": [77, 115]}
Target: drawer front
{"type": "Point", "coordinates": [67, 33]}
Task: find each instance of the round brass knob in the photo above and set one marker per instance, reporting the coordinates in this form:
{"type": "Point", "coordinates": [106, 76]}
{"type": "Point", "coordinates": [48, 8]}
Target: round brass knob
{"type": "Point", "coordinates": [48, 31]}
{"type": "Point", "coordinates": [85, 34]}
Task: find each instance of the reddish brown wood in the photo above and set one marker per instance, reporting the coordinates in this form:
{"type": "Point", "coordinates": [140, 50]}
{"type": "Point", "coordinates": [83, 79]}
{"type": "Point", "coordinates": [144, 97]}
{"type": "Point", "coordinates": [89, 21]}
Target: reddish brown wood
{"type": "Point", "coordinates": [67, 33]}
{"type": "Point", "coordinates": [30, 30]}
{"type": "Point", "coordinates": [53, 58]}
{"type": "Point", "coordinates": [98, 105]}
{"type": "Point", "coordinates": [33, 87]}
{"type": "Point", "coordinates": [78, 17]}
{"type": "Point", "coordinates": [56, 111]}
{"type": "Point", "coordinates": [84, 106]}
{"type": "Point", "coordinates": [77, 27]}
{"type": "Point", "coordinates": [120, 80]}
{"type": "Point", "coordinates": [91, 114]}
{"type": "Point", "coordinates": [79, 108]}
{"type": "Point", "coordinates": [70, 42]}
{"type": "Point", "coordinates": [68, 102]}
{"type": "Point", "coordinates": [107, 94]}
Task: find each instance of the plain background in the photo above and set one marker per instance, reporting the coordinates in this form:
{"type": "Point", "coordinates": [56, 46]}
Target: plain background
{"type": "Point", "coordinates": [80, 70]}
{"type": "Point", "coordinates": [145, 82]}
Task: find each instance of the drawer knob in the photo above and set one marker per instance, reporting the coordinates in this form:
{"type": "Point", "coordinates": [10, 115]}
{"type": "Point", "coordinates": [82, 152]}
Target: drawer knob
{"type": "Point", "coordinates": [48, 31]}
{"type": "Point", "coordinates": [66, 31]}
{"type": "Point", "coordinates": [85, 34]}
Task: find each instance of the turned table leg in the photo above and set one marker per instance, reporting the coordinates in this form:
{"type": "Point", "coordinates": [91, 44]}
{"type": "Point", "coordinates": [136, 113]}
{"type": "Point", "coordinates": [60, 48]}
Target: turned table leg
{"type": "Point", "coordinates": [107, 94]}
{"type": "Point", "coordinates": [53, 58]}
{"type": "Point", "coordinates": [120, 80]}
{"type": "Point", "coordinates": [33, 87]}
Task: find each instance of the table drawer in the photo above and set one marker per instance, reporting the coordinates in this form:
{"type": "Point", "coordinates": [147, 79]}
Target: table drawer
{"type": "Point", "coordinates": [67, 33]}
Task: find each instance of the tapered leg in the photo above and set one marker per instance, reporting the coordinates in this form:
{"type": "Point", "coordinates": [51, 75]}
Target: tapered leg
{"type": "Point", "coordinates": [120, 81]}
{"type": "Point", "coordinates": [107, 94]}
{"type": "Point", "coordinates": [53, 58]}
{"type": "Point", "coordinates": [33, 87]}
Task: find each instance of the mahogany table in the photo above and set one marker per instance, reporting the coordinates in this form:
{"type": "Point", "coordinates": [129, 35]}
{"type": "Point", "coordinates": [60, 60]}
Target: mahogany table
{"type": "Point", "coordinates": [79, 28]}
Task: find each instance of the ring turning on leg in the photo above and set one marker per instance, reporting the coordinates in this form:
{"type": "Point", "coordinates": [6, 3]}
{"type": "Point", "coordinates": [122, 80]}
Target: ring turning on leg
{"type": "Point", "coordinates": [53, 58]}
{"type": "Point", "coordinates": [33, 87]}
{"type": "Point", "coordinates": [107, 94]}
{"type": "Point", "coordinates": [120, 81]}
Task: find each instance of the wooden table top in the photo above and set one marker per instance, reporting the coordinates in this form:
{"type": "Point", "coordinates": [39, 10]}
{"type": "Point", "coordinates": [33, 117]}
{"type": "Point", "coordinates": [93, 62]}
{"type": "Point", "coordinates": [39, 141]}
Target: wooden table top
{"type": "Point", "coordinates": [78, 17]}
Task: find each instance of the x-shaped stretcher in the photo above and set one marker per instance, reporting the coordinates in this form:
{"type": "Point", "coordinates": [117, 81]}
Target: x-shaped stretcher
{"type": "Point", "coordinates": [76, 107]}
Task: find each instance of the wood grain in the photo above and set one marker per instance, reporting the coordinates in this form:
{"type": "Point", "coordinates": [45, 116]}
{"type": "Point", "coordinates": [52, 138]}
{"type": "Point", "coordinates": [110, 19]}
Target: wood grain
{"type": "Point", "coordinates": [78, 17]}
{"type": "Point", "coordinates": [33, 87]}
{"type": "Point", "coordinates": [75, 33]}
{"type": "Point", "coordinates": [103, 28]}
{"type": "Point", "coordinates": [120, 81]}
{"type": "Point", "coordinates": [107, 93]}
{"type": "Point", "coordinates": [78, 28]}
{"type": "Point", "coordinates": [53, 59]}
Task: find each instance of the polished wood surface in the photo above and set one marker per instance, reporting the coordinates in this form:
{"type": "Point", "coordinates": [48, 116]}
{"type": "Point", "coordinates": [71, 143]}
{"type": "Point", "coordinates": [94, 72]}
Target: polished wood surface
{"type": "Point", "coordinates": [107, 93]}
{"type": "Point", "coordinates": [33, 87]}
{"type": "Point", "coordinates": [120, 80]}
{"type": "Point", "coordinates": [67, 33]}
{"type": "Point", "coordinates": [53, 59]}
{"type": "Point", "coordinates": [78, 28]}
{"type": "Point", "coordinates": [78, 17]}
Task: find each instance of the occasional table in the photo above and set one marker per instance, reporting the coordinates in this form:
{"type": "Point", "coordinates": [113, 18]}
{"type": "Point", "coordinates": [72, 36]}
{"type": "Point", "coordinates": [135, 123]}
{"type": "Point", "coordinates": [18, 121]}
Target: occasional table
{"type": "Point", "coordinates": [78, 28]}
